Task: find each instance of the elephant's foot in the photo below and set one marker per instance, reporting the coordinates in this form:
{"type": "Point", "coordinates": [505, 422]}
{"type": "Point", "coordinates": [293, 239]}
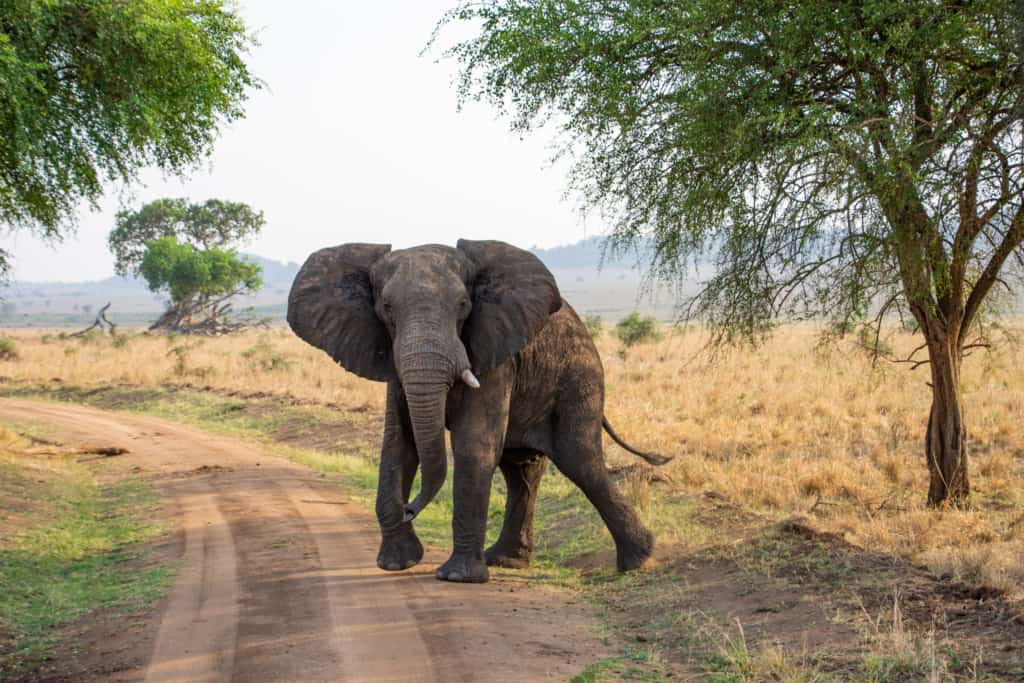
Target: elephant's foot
{"type": "Point", "coordinates": [464, 569]}
{"type": "Point", "coordinates": [400, 550]}
{"type": "Point", "coordinates": [510, 557]}
{"type": "Point", "coordinates": [634, 553]}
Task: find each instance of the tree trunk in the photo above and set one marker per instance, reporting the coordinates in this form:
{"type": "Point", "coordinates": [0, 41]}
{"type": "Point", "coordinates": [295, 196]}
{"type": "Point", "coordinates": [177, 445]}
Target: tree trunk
{"type": "Point", "coordinates": [946, 438]}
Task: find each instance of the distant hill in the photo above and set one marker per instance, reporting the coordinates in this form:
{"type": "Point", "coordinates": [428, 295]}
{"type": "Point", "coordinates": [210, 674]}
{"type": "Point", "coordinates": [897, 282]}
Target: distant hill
{"type": "Point", "coordinates": [587, 253]}
{"type": "Point", "coordinates": [275, 273]}
{"type": "Point", "coordinates": [590, 284]}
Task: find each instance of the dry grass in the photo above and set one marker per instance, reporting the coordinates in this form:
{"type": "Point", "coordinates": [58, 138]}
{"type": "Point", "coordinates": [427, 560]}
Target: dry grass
{"type": "Point", "coordinates": [786, 428]}
{"type": "Point", "coordinates": [274, 362]}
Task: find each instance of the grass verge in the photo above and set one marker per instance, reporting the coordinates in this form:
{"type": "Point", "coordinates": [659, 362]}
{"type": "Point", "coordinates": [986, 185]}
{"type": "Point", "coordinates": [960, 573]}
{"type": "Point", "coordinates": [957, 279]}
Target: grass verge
{"type": "Point", "coordinates": [71, 546]}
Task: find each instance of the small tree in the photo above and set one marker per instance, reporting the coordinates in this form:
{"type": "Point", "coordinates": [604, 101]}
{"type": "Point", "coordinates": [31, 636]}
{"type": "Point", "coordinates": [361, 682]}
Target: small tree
{"type": "Point", "coordinates": [199, 282]}
{"type": "Point", "coordinates": [636, 328]}
{"type": "Point", "coordinates": [214, 223]}
{"type": "Point", "coordinates": [95, 90]}
{"type": "Point", "coordinates": [843, 159]}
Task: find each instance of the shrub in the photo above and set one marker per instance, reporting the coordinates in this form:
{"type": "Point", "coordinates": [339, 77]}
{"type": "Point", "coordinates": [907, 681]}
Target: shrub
{"type": "Point", "coordinates": [264, 356]}
{"type": "Point", "coordinates": [634, 329]}
{"type": "Point", "coordinates": [8, 351]}
{"type": "Point", "coordinates": [87, 338]}
{"type": "Point", "coordinates": [183, 362]}
{"type": "Point", "coordinates": [868, 340]}
{"type": "Point", "coordinates": [180, 353]}
{"type": "Point", "coordinates": [595, 326]}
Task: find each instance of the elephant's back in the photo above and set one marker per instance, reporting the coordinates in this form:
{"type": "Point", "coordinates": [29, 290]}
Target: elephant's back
{"type": "Point", "coordinates": [560, 367]}
{"type": "Point", "coordinates": [562, 346]}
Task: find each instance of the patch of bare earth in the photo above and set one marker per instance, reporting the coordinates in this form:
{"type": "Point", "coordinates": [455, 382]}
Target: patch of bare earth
{"type": "Point", "coordinates": [818, 599]}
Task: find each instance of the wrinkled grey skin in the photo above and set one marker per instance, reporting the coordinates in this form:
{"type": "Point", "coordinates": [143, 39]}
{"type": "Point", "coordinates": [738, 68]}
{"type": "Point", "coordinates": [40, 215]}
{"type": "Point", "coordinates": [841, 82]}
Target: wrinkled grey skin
{"type": "Point", "coordinates": [418, 319]}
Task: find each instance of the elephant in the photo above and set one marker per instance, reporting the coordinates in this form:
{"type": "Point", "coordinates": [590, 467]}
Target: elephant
{"type": "Point", "coordinates": [475, 339]}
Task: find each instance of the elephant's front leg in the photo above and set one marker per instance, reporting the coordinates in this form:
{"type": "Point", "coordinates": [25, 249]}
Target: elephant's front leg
{"type": "Point", "coordinates": [478, 437]}
{"type": "Point", "coordinates": [399, 546]}
{"type": "Point", "coordinates": [474, 471]}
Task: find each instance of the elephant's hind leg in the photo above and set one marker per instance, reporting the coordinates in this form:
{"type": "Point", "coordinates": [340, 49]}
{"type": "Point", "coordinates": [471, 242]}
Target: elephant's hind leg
{"type": "Point", "coordinates": [514, 546]}
{"type": "Point", "coordinates": [578, 456]}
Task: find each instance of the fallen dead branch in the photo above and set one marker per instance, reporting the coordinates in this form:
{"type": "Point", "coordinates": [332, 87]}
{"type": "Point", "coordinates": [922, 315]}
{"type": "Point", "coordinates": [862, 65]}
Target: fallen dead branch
{"type": "Point", "coordinates": [33, 446]}
{"type": "Point", "coordinates": [101, 322]}
{"type": "Point", "coordinates": [102, 452]}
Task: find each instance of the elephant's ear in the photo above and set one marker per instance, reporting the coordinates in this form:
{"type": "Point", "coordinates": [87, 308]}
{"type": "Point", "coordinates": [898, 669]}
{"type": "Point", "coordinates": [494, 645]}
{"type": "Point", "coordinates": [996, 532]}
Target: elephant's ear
{"type": "Point", "coordinates": [513, 296]}
{"type": "Point", "coordinates": [331, 306]}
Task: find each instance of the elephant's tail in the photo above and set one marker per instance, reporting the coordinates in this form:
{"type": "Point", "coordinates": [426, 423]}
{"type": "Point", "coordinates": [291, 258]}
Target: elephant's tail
{"type": "Point", "coordinates": [653, 458]}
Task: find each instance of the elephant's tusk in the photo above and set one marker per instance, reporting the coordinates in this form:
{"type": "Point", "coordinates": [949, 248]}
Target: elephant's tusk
{"type": "Point", "coordinates": [470, 379]}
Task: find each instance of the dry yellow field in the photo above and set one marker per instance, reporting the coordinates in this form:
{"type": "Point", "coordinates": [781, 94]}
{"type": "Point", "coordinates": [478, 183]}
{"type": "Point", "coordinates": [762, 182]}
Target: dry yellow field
{"type": "Point", "coordinates": [784, 429]}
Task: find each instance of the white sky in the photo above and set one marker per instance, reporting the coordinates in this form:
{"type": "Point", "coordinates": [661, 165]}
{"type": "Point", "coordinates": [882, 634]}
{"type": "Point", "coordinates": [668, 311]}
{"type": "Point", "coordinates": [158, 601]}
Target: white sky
{"type": "Point", "coordinates": [356, 138]}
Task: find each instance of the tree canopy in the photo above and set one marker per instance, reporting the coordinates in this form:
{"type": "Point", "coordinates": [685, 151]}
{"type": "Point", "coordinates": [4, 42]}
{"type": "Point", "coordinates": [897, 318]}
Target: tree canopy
{"type": "Point", "coordinates": [840, 159]}
{"type": "Point", "coordinates": [196, 275]}
{"type": "Point", "coordinates": [214, 223]}
{"type": "Point", "coordinates": [188, 250]}
{"type": "Point", "coordinates": [92, 91]}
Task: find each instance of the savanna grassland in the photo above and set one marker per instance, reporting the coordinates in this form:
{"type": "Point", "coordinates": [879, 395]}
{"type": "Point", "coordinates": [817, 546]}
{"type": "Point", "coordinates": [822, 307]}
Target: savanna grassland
{"type": "Point", "coordinates": [794, 461]}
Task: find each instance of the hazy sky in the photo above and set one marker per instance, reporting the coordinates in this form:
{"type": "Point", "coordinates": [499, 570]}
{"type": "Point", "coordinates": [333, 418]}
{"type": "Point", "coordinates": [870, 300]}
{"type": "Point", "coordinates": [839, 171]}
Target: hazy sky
{"type": "Point", "coordinates": [355, 138]}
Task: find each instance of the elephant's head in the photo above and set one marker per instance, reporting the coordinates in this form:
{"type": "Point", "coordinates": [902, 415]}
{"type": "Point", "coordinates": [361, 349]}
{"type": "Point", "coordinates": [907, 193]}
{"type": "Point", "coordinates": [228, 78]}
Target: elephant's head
{"type": "Point", "coordinates": [428, 317]}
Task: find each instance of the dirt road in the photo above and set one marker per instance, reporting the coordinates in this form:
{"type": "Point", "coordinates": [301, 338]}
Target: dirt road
{"type": "Point", "coordinates": [277, 578]}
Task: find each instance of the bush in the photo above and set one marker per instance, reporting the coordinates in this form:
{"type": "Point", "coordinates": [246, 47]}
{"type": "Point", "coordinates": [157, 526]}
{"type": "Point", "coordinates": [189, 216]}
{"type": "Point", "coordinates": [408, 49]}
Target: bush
{"type": "Point", "coordinates": [868, 340]}
{"type": "Point", "coordinates": [87, 337]}
{"type": "Point", "coordinates": [634, 329]}
{"type": "Point", "coordinates": [183, 366]}
{"type": "Point", "coordinates": [265, 357]}
{"type": "Point", "coordinates": [8, 351]}
{"type": "Point", "coordinates": [595, 326]}
{"type": "Point", "coordinates": [180, 353]}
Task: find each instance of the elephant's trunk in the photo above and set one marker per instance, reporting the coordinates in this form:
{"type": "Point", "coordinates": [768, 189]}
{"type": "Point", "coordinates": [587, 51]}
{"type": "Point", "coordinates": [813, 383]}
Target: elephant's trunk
{"type": "Point", "coordinates": [426, 412]}
{"type": "Point", "coordinates": [428, 368]}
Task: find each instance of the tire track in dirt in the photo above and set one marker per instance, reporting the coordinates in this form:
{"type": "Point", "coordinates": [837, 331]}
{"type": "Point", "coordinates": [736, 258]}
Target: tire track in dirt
{"type": "Point", "coordinates": [196, 640]}
{"type": "Point", "coordinates": [278, 579]}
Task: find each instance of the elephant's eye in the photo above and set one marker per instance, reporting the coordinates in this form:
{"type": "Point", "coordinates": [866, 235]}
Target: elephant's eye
{"type": "Point", "coordinates": [386, 307]}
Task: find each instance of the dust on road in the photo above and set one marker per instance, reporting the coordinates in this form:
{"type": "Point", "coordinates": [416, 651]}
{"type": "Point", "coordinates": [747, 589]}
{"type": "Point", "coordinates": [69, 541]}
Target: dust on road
{"type": "Point", "coordinates": [277, 578]}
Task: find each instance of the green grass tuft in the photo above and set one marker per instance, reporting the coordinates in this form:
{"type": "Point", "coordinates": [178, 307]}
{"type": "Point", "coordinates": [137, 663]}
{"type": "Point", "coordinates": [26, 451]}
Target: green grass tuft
{"type": "Point", "coordinates": [634, 664]}
{"type": "Point", "coordinates": [78, 561]}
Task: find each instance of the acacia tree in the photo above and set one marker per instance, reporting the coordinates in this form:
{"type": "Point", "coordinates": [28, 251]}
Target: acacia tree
{"type": "Point", "coordinates": [188, 250]}
{"type": "Point", "coordinates": [214, 223]}
{"type": "Point", "coordinates": [200, 283]}
{"type": "Point", "coordinates": [92, 91]}
{"type": "Point", "coordinates": [838, 159]}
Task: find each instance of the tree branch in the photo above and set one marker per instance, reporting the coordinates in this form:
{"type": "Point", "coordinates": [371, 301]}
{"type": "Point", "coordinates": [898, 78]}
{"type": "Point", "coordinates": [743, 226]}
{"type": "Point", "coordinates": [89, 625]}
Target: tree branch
{"type": "Point", "coordinates": [1011, 241]}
